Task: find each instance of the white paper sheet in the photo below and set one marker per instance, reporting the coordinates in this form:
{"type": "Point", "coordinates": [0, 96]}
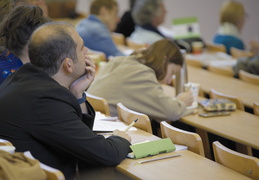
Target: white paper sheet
{"type": "Point", "coordinates": [103, 123]}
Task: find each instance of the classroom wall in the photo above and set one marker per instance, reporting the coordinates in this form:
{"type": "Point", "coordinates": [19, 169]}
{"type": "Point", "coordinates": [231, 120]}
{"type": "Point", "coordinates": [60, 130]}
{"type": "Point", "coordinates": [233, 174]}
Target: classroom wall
{"type": "Point", "coordinates": [207, 12]}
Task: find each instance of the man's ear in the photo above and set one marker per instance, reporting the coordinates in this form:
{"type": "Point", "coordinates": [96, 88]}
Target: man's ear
{"type": "Point", "coordinates": [68, 65]}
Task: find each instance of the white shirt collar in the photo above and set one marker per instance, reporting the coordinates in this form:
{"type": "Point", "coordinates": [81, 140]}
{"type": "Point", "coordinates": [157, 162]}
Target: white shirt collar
{"type": "Point", "coordinates": [229, 29]}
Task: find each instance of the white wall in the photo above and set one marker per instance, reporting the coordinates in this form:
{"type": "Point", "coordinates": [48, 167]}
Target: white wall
{"type": "Point", "coordinates": [207, 12]}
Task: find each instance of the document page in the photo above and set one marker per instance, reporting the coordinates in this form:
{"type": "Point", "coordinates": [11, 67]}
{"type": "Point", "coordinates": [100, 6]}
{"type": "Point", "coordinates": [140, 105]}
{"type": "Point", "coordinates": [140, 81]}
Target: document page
{"type": "Point", "coordinates": [109, 124]}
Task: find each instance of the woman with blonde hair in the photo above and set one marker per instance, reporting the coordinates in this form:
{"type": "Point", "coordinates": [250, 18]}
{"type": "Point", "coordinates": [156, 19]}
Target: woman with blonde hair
{"type": "Point", "coordinates": [232, 20]}
{"type": "Point", "coordinates": [135, 82]}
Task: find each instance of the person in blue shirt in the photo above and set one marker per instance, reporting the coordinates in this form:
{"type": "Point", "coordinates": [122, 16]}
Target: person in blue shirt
{"type": "Point", "coordinates": [9, 63]}
{"type": "Point", "coordinates": [96, 29]}
{"type": "Point", "coordinates": [15, 32]}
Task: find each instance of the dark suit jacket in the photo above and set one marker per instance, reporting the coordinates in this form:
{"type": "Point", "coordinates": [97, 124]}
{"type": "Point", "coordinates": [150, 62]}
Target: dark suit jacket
{"type": "Point", "coordinates": [126, 25]}
{"type": "Point", "coordinates": [40, 115]}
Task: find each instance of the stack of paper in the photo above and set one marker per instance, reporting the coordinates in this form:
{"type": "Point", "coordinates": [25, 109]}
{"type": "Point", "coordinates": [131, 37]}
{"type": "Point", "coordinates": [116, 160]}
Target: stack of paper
{"type": "Point", "coordinates": [103, 123]}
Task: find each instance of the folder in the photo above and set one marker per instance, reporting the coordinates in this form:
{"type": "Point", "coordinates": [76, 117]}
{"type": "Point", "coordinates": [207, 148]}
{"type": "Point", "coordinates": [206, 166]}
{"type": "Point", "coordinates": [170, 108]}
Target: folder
{"type": "Point", "coordinates": [151, 148]}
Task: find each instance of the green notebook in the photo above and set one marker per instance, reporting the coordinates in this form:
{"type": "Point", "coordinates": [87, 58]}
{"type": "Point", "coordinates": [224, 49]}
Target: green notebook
{"type": "Point", "coordinates": [151, 148]}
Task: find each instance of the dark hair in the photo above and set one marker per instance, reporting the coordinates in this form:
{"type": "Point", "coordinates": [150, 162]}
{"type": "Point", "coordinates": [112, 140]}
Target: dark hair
{"type": "Point", "coordinates": [158, 55]}
{"type": "Point", "coordinates": [17, 27]}
{"type": "Point", "coordinates": [48, 51]}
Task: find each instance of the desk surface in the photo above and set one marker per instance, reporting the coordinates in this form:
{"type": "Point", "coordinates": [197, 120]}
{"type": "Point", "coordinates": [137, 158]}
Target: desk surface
{"type": "Point", "coordinates": [240, 126]}
{"type": "Point", "coordinates": [207, 58]}
{"type": "Point", "coordinates": [187, 166]}
{"type": "Point", "coordinates": [249, 93]}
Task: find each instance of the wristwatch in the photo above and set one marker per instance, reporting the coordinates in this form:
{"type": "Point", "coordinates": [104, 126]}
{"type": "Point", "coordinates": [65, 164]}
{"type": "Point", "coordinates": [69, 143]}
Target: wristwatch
{"type": "Point", "coordinates": [82, 99]}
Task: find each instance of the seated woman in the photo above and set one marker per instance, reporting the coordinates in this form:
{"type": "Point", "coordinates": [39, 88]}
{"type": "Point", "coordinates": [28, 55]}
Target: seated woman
{"type": "Point", "coordinates": [135, 82]}
{"type": "Point", "coordinates": [232, 20]}
{"type": "Point", "coordinates": [15, 32]}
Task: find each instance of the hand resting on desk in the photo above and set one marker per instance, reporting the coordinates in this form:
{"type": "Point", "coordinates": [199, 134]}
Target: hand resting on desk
{"type": "Point", "coordinates": [122, 134]}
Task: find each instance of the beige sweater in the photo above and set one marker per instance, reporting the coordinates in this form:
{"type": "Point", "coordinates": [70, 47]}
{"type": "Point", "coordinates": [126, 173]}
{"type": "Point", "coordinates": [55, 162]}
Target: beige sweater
{"type": "Point", "coordinates": [19, 167]}
{"type": "Point", "coordinates": [135, 85]}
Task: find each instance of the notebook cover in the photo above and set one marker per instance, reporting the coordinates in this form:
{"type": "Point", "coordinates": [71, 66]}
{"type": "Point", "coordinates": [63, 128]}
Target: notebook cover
{"type": "Point", "coordinates": [218, 105]}
{"type": "Point", "coordinates": [152, 148]}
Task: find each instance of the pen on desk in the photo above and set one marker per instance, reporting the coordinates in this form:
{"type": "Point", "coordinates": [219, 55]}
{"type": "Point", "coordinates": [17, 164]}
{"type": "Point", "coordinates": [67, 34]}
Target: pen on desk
{"type": "Point", "coordinates": [131, 124]}
{"type": "Point", "coordinates": [155, 159]}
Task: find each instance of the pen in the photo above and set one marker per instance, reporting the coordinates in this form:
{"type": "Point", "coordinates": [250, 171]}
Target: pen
{"type": "Point", "coordinates": [131, 124]}
{"type": "Point", "coordinates": [155, 159]}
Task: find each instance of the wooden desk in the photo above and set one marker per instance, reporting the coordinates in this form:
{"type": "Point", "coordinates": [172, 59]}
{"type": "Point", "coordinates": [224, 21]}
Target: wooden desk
{"type": "Point", "coordinates": [206, 58]}
{"type": "Point", "coordinates": [240, 127]}
{"type": "Point", "coordinates": [187, 166]}
{"type": "Point", "coordinates": [249, 93]}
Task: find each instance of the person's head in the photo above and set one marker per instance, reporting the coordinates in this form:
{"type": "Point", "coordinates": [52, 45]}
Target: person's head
{"type": "Point", "coordinates": [163, 57]}
{"type": "Point", "coordinates": [41, 3]}
{"type": "Point", "coordinates": [149, 12]}
{"type": "Point", "coordinates": [233, 12]}
{"type": "Point", "coordinates": [5, 7]}
{"type": "Point", "coordinates": [57, 46]}
{"type": "Point", "coordinates": [17, 27]}
{"type": "Point", "coordinates": [106, 11]}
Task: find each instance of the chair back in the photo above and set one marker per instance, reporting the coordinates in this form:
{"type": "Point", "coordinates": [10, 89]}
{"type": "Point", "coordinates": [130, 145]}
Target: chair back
{"type": "Point", "coordinates": [217, 95]}
{"type": "Point", "coordinates": [178, 136]}
{"type": "Point", "coordinates": [118, 38]}
{"type": "Point", "coordinates": [256, 109]}
{"type": "Point", "coordinates": [133, 45]}
{"type": "Point", "coordinates": [244, 164]}
{"type": "Point", "coordinates": [211, 47]}
{"type": "Point", "coordinates": [221, 70]}
{"type": "Point", "coordinates": [248, 77]}
{"type": "Point", "coordinates": [4, 142]}
{"type": "Point", "coordinates": [52, 173]}
{"type": "Point", "coordinates": [238, 53]}
{"type": "Point", "coordinates": [98, 103]}
{"type": "Point", "coordinates": [128, 115]}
